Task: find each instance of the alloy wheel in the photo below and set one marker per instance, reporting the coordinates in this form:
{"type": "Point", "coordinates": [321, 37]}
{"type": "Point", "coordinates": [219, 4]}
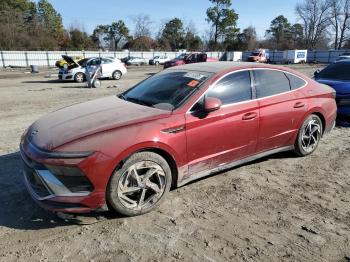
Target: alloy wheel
{"type": "Point", "coordinates": [141, 185]}
{"type": "Point", "coordinates": [311, 135]}
{"type": "Point", "coordinates": [117, 75]}
{"type": "Point", "coordinates": [79, 78]}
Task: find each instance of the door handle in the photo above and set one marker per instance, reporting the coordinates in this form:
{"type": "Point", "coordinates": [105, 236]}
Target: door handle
{"type": "Point", "coordinates": [299, 105]}
{"type": "Point", "coordinates": [249, 116]}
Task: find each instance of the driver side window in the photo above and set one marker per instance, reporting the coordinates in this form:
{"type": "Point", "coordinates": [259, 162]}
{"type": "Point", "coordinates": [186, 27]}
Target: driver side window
{"type": "Point", "coordinates": [233, 88]}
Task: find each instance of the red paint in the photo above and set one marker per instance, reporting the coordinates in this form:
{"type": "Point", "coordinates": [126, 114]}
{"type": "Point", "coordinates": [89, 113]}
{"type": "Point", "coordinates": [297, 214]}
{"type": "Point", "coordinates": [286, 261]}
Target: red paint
{"type": "Point", "coordinates": [114, 129]}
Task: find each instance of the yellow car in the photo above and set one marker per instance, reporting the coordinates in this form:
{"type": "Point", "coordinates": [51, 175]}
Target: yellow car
{"type": "Point", "coordinates": [64, 64]}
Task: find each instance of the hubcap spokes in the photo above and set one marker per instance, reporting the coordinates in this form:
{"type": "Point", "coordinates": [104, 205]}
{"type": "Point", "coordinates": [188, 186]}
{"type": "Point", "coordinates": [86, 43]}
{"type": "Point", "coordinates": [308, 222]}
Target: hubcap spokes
{"type": "Point", "coordinates": [142, 185]}
{"type": "Point", "coordinates": [311, 135]}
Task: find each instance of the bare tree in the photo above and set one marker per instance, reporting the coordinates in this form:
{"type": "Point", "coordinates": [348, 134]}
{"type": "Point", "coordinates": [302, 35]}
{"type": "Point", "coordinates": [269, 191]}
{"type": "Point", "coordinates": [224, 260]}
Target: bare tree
{"type": "Point", "coordinates": [143, 25]}
{"type": "Point", "coordinates": [340, 21]}
{"type": "Point", "coordinates": [315, 17]}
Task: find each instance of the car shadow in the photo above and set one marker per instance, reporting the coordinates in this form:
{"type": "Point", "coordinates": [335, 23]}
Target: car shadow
{"type": "Point", "coordinates": [19, 211]}
{"type": "Point", "coordinates": [342, 124]}
{"type": "Point", "coordinates": [51, 81]}
{"type": "Point", "coordinates": [77, 86]}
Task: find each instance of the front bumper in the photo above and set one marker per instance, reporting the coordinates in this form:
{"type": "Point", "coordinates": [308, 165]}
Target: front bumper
{"type": "Point", "coordinates": [65, 76]}
{"type": "Point", "coordinates": [52, 193]}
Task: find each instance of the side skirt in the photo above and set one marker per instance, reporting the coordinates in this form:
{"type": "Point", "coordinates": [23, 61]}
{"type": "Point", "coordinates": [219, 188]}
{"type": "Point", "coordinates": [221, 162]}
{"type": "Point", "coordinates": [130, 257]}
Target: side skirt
{"type": "Point", "coordinates": [232, 164]}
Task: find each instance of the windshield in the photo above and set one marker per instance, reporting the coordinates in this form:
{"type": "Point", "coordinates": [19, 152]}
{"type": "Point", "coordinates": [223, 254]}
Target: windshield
{"type": "Point", "coordinates": [83, 61]}
{"type": "Point", "coordinates": [336, 71]}
{"type": "Point", "coordinates": [181, 57]}
{"type": "Point", "coordinates": [166, 91]}
{"type": "Point", "coordinates": [156, 57]}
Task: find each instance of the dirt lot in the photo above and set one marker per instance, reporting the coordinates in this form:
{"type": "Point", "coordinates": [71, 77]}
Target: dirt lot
{"type": "Point", "coordinates": [281, 208]}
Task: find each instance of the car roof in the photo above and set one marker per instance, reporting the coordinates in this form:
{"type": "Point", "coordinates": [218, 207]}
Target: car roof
{"type": "Point", "coordinates": [222, 66]}
{"type": "Point", "coordinates": [347, 60]}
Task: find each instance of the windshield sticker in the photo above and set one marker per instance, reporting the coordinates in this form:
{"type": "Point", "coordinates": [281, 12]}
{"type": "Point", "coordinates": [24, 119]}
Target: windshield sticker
{"type": "Point", "coordinates": [193, 83]}
{"type": "Point", "coordinates": [195, 76]}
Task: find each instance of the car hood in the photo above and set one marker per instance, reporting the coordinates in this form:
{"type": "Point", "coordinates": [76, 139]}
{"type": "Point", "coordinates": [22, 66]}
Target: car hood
{"type": "Point", "coordinates": [81, 120]}
{"type": "Point", "coordinates": [70, 60]}
{"type": "Point", "coordinates": [341, 87]}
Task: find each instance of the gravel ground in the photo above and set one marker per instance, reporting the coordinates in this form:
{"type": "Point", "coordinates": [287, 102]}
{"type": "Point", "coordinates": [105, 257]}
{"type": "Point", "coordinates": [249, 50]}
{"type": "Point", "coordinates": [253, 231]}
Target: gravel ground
{"type": "Point", "coordinates": [280, 208]}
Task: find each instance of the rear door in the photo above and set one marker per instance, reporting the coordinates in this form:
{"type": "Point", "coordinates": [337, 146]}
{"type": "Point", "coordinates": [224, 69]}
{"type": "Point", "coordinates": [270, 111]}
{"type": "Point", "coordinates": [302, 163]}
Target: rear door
{"type": "Point", "coordinates": [281, 107]}
{"type": "Point", "coordinates": [227, 134]}
{"type": "Point", "coordinates": [108, 67]}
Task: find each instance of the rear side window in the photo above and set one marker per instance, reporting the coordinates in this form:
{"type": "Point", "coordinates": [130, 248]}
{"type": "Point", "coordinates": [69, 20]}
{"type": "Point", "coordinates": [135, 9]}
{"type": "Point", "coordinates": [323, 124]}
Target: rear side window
{"type": "Point", "coordinates": [270, 82]}
{"type": "Point", "coordinates": [337, 71]}
{"type": "Point", "coordinates": [295, 82]}
{"type": "Point", "coordinates": [233, 88]}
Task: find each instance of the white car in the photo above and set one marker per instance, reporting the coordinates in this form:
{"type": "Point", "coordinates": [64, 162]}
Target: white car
{"type": "Point", "coordinates": [136, 61]}
{"type": "Point", "coordinates": [159, 60]}
{"type": "Point", "coordinates": [111, 68]}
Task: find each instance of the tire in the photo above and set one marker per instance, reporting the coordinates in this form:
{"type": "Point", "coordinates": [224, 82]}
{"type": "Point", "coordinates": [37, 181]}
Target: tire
{"type": "Point", "coordinates": [96, 84]}
{"type": "Point", "coordinates": [126, 188]}
{"type": "Point", "coordinates": [309, 136]}
{"type": "Point", "coordinates": [79, 77]}
{"type": "Point", "coordinates": [157, 63]}
{"type": "Point", "coordinates": [117, 75]}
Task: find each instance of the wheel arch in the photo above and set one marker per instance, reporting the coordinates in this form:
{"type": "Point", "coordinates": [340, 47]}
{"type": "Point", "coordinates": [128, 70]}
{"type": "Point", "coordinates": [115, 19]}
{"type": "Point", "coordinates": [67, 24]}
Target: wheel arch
{"type": "Point", "coordinates": [79, 72]}
{"type": "Point", "coordinates": [163, 152]}
{"type": "Point", "coordinates": [315, 111]}
{"type": "Point", "coordinates": [323, 120]}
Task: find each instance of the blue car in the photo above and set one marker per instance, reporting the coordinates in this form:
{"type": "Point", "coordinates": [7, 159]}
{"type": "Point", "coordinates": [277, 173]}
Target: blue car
{"type": "Point", "coordinates": [337, 75]}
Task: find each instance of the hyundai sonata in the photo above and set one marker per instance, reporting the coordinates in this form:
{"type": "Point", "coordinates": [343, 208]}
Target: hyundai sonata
{"type": "Point", "coordinates": [125, 152]}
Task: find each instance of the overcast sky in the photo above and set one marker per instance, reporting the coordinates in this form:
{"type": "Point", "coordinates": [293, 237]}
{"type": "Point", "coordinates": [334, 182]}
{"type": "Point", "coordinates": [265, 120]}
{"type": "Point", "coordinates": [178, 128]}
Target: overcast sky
{"type": "Point", "coordinates": [89, 13]}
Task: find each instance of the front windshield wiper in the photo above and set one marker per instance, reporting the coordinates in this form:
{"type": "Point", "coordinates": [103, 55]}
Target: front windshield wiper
{"type": "Point", "coordinates": [136, 101]}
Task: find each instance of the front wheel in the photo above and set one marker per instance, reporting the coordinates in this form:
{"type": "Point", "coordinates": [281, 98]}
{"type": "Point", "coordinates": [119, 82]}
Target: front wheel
{"type": "Point", "coordinates": [79, 77]}
{"type": "Point", "coordinates": [140, 184]}
{"type": "Point", "coordinates": [309, 136]}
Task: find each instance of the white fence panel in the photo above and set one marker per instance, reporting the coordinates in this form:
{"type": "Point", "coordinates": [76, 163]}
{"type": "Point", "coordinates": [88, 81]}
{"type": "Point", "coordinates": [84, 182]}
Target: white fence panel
{"type": "Point", "coordinates": [276, 56]}
{"type": "Point", "coordinates": [49, 58]}
{"type": "Point", "coordinates": [324, 56]}
{"type": "Point", "coordinates": [245, 55]}
{"type": "Point", "coordinates": [2, 59]}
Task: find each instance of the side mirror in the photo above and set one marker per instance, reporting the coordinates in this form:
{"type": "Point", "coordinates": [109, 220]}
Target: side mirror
{"type": "Point", "coordinates": [317, 72]}
{"type": "Point", "coordinates": [212, 104]}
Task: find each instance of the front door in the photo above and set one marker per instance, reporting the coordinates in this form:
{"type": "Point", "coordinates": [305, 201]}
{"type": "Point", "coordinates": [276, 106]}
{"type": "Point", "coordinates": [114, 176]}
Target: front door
{"type": "Point", "coordinates": [227, 134]}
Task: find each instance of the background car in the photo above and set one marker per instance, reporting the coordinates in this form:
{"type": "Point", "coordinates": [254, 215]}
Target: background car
{"type": "Point", "coordinates": [159, 60]}
{"type": "Point", "coordinates": [260, 56]}
{"type": "Point", "coordinates": [64, 64]}
{"type": "Point", "coordinates": [344, 56]}
{"type": "Point", "coordinates": [136, 61]}
{"type": "Point", "coordinates": [111, 68]}
{"type": "Point", "coordinates": [189, 58]}
{"type": "Point", "coordinates": [337, 76]}
{"type": "Point", "coordinates": [179, 125]}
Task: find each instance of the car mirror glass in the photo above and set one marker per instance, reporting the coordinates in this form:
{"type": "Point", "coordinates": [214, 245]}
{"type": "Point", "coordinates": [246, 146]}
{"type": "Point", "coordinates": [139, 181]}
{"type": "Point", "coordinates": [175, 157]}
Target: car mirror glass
{"type": "Point", "coordinates": [317, 72]}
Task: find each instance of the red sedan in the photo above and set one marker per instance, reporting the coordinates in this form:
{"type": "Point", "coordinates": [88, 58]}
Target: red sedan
{"type": "Point", "coordinates": [125, 152]}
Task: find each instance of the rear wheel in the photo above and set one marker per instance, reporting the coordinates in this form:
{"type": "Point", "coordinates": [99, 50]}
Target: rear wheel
{"type": "Point", "coordinates": [117, 75]}
{"type": "Point", "coordinates": [140, 184]}
{"type": "Point", "coordinates": [79, 77]}
{"type": "Point", "coordinates": [309, 136]}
